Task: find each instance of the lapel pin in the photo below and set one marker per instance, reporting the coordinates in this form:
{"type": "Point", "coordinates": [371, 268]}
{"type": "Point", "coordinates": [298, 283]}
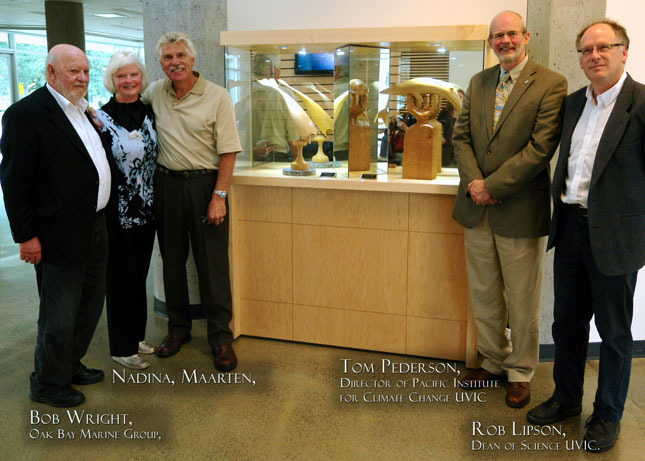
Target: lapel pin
{"type": "Point", "coordinates": [526, 82]}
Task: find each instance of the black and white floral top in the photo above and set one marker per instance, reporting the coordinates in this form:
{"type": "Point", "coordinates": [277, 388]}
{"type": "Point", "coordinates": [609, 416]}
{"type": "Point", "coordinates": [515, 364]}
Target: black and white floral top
{"type": "Point", "coordinates": [130, 128]}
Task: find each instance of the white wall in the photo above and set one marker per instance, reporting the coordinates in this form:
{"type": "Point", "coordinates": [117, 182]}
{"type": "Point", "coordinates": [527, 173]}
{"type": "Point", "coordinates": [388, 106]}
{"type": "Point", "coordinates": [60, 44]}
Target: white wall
{"type": "Point", "coordinates": [329, 14]}
{"type": "Point", "coordinates": [630, 14]}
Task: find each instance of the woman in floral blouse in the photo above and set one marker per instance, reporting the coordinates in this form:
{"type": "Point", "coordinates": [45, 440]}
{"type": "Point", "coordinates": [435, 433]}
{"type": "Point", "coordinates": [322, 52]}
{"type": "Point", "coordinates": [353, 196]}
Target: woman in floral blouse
{"type": "Point", "coordinates": [129, 126]}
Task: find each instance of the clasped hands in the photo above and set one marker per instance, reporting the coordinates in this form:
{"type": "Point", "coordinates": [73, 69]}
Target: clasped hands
{"type": "Point", "coordinates": [479, 193]}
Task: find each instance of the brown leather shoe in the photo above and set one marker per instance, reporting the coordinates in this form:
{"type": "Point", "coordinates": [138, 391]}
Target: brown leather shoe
{"type": "Point", "coordinates": [225, 358]}
{"type": "Point", "coordinates": [518, 394]}
{"type": "Point", "coordinates": [479, 378]}
{"type": "Point", "coordinates": [171, 344]}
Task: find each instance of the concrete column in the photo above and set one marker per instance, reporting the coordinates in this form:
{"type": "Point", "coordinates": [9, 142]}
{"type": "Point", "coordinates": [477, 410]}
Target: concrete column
{"type": "Point", "coordinates": [553, 25]}
{"type": "Point", "coordinates": [202, 21]}
{"type": "Point", "coordinates": [65, 23]}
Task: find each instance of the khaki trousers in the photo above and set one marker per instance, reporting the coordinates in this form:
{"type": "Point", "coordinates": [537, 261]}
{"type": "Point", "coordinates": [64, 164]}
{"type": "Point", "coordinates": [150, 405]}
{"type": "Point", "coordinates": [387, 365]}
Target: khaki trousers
{"type": "Point", "coordinates": [505, 283]}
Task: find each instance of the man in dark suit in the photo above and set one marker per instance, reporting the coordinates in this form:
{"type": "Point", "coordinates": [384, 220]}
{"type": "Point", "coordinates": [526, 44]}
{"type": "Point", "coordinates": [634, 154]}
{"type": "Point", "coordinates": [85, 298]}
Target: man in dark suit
{"type": "Point", "coordinates": [504, 138]}
{"type": "Point", "coordinates": [56, 181]}
{"type": "Point", "coordinates": [598, 231]}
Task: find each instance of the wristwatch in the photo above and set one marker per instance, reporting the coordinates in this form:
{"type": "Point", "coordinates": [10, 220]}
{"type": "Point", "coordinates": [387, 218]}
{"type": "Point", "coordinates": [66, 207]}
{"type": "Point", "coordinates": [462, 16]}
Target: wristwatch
{"type": "Point", "coordinates": [220, 193]}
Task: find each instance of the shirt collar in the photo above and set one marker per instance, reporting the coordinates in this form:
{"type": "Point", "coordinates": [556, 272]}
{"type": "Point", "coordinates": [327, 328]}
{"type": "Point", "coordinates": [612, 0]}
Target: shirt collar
{"type": "Point", "coordinates": [515, 71]}
{"type": "Point", "coordinates": [64, 103]}
{"type": "Point", "coordinates": [609, 96]}
{"type": "Point", "coordinates": [198, 87]}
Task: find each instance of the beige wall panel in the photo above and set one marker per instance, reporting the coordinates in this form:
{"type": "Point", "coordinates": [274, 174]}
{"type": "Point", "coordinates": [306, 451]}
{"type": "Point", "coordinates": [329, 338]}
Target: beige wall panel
{"type": "Point", "coordinates": [262, 203]}
{"type": "Point", "coordinates": [444, 339]}
{"type": "Point", "coordinates": [264, 318]}
{"type": "Point", "coordinates": [265, 261]}
{"type": "Point", "coordinates": [437, 284]}
{"type": "Point", "coordinates": [432, 213]}
{"type": "Point", "coordinates": [337, 327]}
{"type": "Point", "coordinates": [358, 269]}
{"type": "Point", "coordinates": [373, 210]}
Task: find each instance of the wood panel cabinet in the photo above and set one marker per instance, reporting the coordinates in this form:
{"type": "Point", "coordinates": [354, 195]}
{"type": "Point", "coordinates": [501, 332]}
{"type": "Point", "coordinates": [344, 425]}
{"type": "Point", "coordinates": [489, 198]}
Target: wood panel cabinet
{"type": "Point", "coordinates": [367, 269]}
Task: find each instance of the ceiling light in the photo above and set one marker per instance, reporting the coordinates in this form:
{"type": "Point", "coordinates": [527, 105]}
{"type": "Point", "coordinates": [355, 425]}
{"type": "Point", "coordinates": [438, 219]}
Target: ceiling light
{"type": "Point", "coordinates": [109, 15]}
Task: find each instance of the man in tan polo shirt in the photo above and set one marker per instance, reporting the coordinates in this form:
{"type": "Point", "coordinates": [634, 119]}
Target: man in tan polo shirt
{"type": "Point", "coordinates": [198, 141]}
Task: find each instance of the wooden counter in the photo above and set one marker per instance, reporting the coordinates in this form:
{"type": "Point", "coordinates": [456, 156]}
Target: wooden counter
{"type": "Point", "coordinates": [368, 264]}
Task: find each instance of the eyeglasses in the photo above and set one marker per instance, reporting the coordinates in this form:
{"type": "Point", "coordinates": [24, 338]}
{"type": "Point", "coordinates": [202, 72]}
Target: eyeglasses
{"type": "Point", "coordinates": [603, 49]}
{"type": "Point", "coordinates": [511, 34]}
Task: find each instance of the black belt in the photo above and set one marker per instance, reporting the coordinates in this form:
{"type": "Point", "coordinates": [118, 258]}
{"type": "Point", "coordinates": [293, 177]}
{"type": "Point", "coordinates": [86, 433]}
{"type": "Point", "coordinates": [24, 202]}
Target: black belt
{"type": "Point", "coordinates": [577, 209]}
{"type": "Point", "coordinates": [183, 173]}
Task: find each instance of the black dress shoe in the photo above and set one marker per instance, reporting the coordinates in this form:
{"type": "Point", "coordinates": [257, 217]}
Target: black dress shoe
{"type": "Point", "coordinates": [601, 435]}
{"type": "Point", "coordinates": [171, 344]}
{"type": "Point", "coordinates": [56, 396]}
{"type": "Point", "coordinates": [550, 412]}
{"type": "Point", "coordinates": [84, 375]}
{"type": "Point", "coordinates": [225, 358]}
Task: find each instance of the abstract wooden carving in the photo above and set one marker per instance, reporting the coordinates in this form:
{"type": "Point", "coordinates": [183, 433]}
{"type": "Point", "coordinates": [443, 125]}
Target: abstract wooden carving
{"type": "Point", "coordinates": [299, 162]}
{"type": "Point", "coordinates": [359, 127]}
{"type": "Point", "coordinates": [422, 144]}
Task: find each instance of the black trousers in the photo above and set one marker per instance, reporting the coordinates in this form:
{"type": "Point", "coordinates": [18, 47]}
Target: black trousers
{"type": "Point", "coordinates": [181, 203]}
{"type": "Point", "coordinates": [128, 263]}
{"type": "Point", "coordinates": [582, 291]}
{"type": "Point", "coordinates": [71, 302]}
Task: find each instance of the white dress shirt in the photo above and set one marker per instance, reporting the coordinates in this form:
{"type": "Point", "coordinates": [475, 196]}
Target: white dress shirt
{"type": "Point", "coordinates": [91, 140]}
{"type": "Point", "coordinates": [584, 143]}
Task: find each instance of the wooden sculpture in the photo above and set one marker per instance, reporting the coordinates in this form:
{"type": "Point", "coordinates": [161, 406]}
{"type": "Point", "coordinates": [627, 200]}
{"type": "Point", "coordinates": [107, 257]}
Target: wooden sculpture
{"type": "Point", "coordinates": [422, 144]}
{"type": "Point", "coordinates": [299, 162]}
{"type": "Point", "coordinates": [359, 127]}
{"type": "Point", "coordinates": [321, 119]}
{"type": "Point", "coordinates": [320, 156]}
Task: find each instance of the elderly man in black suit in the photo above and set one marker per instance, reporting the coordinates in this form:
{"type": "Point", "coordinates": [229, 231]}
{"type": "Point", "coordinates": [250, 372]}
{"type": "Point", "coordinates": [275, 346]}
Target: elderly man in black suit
{"type": "Point", "coordinates": [56, 180]}
{"type": "Point", "coordinates": [597, 231]}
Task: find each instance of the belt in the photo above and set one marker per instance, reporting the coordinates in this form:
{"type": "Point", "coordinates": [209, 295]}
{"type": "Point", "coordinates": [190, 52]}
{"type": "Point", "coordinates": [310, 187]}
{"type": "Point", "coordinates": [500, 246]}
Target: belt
{"type": "Point", "coordinates": [577, 209]}
{"type": "Point", "coordinates": [183, 173]}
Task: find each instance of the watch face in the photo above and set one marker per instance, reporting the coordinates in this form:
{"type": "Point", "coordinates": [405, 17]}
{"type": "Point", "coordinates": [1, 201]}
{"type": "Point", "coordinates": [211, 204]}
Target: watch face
{"type": "Point", "coordinates": [220, 193]}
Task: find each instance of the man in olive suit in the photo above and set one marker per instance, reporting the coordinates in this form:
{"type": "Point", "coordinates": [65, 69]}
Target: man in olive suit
{"type": "Point", "coordinates": [504, 138]}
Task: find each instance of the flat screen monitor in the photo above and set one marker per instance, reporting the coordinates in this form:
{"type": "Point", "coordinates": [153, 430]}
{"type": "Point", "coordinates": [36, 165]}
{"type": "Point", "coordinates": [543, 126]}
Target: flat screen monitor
{"type": "Point", "coordinates": [314, 64]}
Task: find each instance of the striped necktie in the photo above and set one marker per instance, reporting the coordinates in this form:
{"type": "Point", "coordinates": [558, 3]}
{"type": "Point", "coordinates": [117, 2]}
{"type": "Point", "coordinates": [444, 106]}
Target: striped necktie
{"type": "Point", "coordinates": [501, 95]}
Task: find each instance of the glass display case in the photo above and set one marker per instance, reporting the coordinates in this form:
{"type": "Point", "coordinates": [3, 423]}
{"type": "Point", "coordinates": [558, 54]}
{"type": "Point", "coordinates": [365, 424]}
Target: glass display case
{"type": "Point", "coordinates": [324, 101]}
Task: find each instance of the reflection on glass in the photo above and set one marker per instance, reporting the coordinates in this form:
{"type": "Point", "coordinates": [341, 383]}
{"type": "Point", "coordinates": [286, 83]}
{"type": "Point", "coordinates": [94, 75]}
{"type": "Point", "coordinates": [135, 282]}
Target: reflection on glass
{"type": "Point", "coordinates": [266, 82]}
{"type": "Point", "coordinates": [279, 101]}
{"type": "Point", "coordinates": [31, 70]}
{"type": "Point", "coordinates": [5, 87]}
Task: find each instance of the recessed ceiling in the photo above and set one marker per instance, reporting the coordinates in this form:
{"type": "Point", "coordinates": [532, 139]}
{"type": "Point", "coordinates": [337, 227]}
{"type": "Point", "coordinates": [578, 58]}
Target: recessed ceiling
{"type": "Point", "coordinates": [30, 15]}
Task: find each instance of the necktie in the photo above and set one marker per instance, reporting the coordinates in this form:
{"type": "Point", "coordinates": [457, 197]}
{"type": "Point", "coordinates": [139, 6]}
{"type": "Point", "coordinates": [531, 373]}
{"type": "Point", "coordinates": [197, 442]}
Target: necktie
{"type": "Point", "coordinates": [501, 95]}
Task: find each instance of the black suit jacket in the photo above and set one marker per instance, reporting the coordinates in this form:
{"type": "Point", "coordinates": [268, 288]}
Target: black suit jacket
{"type": "Point", "coordinates": [617, 189]}
{"type": "Point", "coordinates": [49, 181]}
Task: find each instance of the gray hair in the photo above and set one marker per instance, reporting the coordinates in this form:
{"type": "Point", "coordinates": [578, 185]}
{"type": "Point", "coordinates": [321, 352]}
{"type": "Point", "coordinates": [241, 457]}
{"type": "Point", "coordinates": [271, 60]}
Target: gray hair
{"type": "Point", "coordinates": [170, 38]}
{"type": "Point", "coordinates": [121, 59]}
{"type": "Point", "coordinates": [620, 31]}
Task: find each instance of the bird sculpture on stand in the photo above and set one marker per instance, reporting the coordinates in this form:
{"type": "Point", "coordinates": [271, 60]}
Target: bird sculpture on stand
{"type": "Point", "coordinates": [301, 120]}
{"type": "Point", "coordinates": [422, 142]}
{"type": "Point", "coordinates": [321, 119]}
